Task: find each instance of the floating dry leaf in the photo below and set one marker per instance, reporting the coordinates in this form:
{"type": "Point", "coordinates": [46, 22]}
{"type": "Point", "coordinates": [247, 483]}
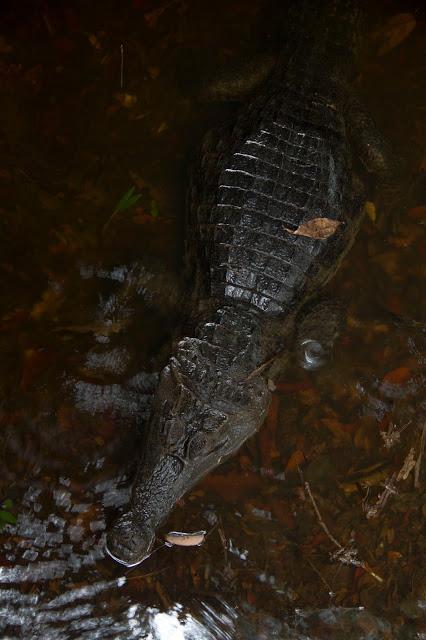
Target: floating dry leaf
{"type": "Point", "coordinates": [393, 32]}
{"type": "Point", "coordinates": [407, 467]}
{"type": "Point", "coordinates": [181, 539]}
{"type": "Point", "coordinates": [126, 100]}
{"type": "Point", "coordinates": [370, 210]}
{"type": "Point", "coordinates": [398, 376]}
{"type": "Point", "coordinates": [318, 228]}
{"type": "Point", "coordinates": [4, 47]}
{"type": "Point", "coordinates": [50, 302]}
{"type": "Point", "coordinates": [296, 459]}
{"type": "Point", "coordinates": [94, 41]}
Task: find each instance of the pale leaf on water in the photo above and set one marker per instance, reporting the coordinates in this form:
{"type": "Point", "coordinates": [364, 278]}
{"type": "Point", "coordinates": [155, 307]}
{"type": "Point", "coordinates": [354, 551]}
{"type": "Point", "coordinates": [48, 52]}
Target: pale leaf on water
{"type": "Point", "coordinates": [181, 539]}
{"type": "Point", "coordinates": [318, 228]}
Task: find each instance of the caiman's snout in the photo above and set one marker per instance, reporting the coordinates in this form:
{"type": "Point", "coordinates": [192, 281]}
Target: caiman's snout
{"type": "Point", "coordinates": [129, 541]}
{"type": "Point", "coordinates": [192, 428]}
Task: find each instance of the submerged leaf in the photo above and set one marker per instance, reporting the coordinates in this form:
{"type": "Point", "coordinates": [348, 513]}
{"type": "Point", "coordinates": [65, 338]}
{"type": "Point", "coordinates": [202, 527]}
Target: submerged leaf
{"type": "Point", "coordinates": [7, 518]}
{"type": "Point", "coordinates": [296, 459]}
{"type": "Point", "coordinates": [49, 304]}
{"type": "Point", "coordinates": [127, 100]}
{"type": "Point", "coordinates": [128, 200]}
{"type": "Point", "coordinates": [155, 212]}
{"type": "Point", "coordinates": [393, 32]}
{"type": "Point", "coordinates": [318, 228]}
{"type": "Point", "coordinates": [370, 210]}
{"type": "Point", "coordinates": [398, 376]}
{"type": "Point", "coordinates": [4, 47]}
{"type": "Point", "coordinates": [417, 213]}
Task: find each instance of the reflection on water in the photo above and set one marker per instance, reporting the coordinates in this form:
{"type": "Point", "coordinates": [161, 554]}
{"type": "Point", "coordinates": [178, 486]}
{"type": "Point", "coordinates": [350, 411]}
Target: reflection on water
{"type": "Point", "coordinates": [81, 340]}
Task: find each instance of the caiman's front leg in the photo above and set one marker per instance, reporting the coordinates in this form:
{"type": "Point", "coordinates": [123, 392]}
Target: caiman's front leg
{"type": "Point", "coordinates": [159, 288]}
{"type": "Point", "coordinates": [379, 161]}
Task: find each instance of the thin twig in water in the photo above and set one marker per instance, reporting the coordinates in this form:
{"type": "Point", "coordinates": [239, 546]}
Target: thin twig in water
{"type": "Point", "coordinates": [345, 555]}
{"type": "Point", "coordinates": [321, 577]}
{"type": "Point", "coordinates": [407, 467]}
{"type": "Point", "coordinates": [393, 435]}
{"type": "Point", "coordinates": [136, 566]}
{"type": "Point", "coordinates": [148, 575]}
{"type": "Point", "coordinates": [262, 367]}
{"type": "Point", "coordinates": [389, 489]}
{"type": "Point", "coordinates": [122, 66]}
{"type": "Point", "coordinates": [320, 520]}
{"type": "Point", "coordinates": [371, 511]}
{"type": "Point", "coordinates": [223, 539]}
{"type": "Point", "coordinates": [164, 596]}
{"type": "Point", "coordinates": [419, 459]}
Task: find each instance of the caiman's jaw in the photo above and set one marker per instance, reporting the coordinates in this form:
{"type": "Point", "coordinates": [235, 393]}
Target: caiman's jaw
{"type": "Point", "coordinates": [130, 541]}
{"type": "Point", "coordinates": [188, 436]}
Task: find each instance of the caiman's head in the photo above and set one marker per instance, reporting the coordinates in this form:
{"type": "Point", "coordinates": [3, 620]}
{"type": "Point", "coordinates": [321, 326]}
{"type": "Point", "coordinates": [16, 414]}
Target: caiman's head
{"type": "Point", "coordinates": [201, 414]}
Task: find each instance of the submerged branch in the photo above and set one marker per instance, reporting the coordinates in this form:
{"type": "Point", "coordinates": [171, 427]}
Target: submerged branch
{"type": "Point", "coordinates": [343, 554]}
{"type": "Point", "coordinates": [419, 459]}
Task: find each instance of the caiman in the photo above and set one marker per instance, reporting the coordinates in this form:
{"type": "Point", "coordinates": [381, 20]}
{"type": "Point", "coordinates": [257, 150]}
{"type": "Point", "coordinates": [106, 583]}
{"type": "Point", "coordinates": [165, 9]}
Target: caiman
{"type": "Point", "coordinates": [288, 158]}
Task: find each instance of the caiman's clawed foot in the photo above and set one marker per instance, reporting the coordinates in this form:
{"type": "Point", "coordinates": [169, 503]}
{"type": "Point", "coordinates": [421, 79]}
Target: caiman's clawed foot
{"type": "Point", "coordinates": [129, 542]}
{"type": "Point", "coordinates": [391, 206]}
{"type": "Point", "coordinates": [396, 197]}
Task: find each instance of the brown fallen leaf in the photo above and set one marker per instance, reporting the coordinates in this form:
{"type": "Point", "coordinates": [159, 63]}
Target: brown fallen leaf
{"type": "Point", "coordinates": [370, 210]}
{"type": "Point", "coordinates": [50, 302]}
{"type": "Point", "coordinates": [318, 228]}
{"type": "Point", "coordinates": [398, 376]}
{"type": "Point", "coordinates": [341, 431]}
{"type": "Point", "coordinates": [296, 459]}
{"type": "Point", "coordinates": [417, 213]}
{"type": "Point", "coordinates": [369, 479]}
{"type": "Point", "coordinates": [393, 32]}
{"type": "Point", "coordinates": [126, 100]}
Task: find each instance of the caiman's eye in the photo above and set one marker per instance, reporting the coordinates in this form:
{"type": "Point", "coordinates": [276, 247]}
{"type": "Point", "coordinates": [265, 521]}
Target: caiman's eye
{"type": "Point", "coordinates": [313, 355]}
{"type": "Point", "coordinates": [197, 446]}
{"type": "Point", "coordinates": [201, 444]}
{"type": "Point", "coordinates": [213, 422]}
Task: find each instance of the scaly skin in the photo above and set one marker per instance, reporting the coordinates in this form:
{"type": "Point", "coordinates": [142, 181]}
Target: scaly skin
{"type": "Point", "coordinates": [285, 161]}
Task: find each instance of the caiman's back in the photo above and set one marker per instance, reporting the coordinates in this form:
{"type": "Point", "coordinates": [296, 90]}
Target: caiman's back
{"type": "Point", "coordinates": [285, 162]}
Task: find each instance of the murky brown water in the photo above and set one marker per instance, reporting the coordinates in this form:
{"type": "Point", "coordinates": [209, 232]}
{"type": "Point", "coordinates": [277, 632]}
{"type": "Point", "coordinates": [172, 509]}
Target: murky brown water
{"type": "Point", "coordinates": [340, 557]}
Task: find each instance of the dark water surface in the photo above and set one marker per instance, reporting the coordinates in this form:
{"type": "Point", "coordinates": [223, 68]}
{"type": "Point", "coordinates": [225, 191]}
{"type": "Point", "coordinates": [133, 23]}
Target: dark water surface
{"type": "Point", "coordinates": [339, 557]}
